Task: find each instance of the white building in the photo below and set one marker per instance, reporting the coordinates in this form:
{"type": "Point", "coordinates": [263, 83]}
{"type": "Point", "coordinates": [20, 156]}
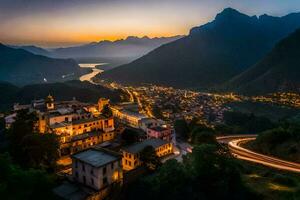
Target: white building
{"type": "Point", "coordinates": [128, 117]}
{"type": "Point", "coordinates": [97, 168]}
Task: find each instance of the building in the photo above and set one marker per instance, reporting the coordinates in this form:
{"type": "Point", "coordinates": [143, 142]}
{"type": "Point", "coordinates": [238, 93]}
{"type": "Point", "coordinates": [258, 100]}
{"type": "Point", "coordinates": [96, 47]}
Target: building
{"type": "Point", "coordinates": [97, 168]}
{"type": "Point", "coordinates": [131, 154]}
{"type": "Point", "coordinates": [128, 113]}
{"type": "Point", "coordinates": [95, 173]}
{"type": "Point", "coordinates": [9, 120]}
{"type": "Point", "coordinates": [78, 125]}
{"type": "Point", "coordinates": [81, 133]}
{"type": "Point", "coordinates": [84, 141]}
{"type": "Point", "coordinates": [160, 132]}
{"type": "Point", "coordinates": [102, 102]}
{"type": "Point", "coordinates": [128, 117]}
{"type": "Point", "coordinates": [149, 122]}
{"type": "Point", "coordinates": [49, 102]}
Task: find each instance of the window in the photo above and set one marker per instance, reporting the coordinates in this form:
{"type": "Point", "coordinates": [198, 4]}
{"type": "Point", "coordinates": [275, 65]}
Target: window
{"type": "Point", "coordinates": [76, 174]}
{"type": "Point", "coordinates": [92, 181]}
{"type": "Point", "coordinates": [104, 170]}
{"type": "Point", "coordinates": [92, 171]}
{"type": "Point", "coordinates": [83, 167]}
{"type": "Point", "coordinates": [112, 165]}
{"type": "Point", "coordinates": [105, 181]}
{"type": "Point", "coordinates": [129, 163]}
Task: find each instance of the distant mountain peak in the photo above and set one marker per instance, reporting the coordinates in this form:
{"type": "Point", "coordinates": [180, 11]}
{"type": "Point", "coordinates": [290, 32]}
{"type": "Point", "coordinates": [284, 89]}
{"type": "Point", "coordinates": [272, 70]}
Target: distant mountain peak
{"type": "Point", "coordinates": [210, 55]}
{"type": "Point", "coordinates": [230, 13]}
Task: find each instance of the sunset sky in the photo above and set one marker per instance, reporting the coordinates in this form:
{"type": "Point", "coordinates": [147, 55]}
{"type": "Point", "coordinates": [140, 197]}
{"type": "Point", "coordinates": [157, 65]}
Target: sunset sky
{"type": "Point", "coordinates": [51, 23]}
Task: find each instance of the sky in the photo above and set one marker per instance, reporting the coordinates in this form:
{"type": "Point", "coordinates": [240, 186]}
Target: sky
{"type": "Point", "coordinates": [56, 23]}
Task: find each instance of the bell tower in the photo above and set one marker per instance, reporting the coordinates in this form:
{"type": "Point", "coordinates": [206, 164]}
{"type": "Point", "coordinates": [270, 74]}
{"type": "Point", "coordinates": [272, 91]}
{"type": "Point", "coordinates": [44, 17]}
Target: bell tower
{"type": "Point", "coordinates": [49, 102]}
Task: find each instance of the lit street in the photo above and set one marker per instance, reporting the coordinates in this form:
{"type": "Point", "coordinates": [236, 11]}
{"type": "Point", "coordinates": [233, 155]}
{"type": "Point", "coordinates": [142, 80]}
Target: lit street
{"type": "Point", "coordinates": [245, 154]}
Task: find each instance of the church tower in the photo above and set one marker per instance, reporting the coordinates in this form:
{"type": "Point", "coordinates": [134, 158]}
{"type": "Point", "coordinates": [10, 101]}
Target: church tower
{"type": "Point", "coordinates": [102, 102]}
{"type": "Point", "coordinates": [49, 102]}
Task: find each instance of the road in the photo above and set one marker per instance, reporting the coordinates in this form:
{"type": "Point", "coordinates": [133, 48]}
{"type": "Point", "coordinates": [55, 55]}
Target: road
{"type": "Point", "coordinates": [234, 144]}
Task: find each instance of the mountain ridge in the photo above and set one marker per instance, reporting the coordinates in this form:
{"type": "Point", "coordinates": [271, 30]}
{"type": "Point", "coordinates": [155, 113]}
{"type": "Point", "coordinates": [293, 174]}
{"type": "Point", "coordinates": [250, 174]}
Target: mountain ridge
{"type": "Point", "coordinates": [21, 67]}
{"type": "Point", "coordinates": [278, 71]}
{"type": "Point", "coordinates": [211, 54]}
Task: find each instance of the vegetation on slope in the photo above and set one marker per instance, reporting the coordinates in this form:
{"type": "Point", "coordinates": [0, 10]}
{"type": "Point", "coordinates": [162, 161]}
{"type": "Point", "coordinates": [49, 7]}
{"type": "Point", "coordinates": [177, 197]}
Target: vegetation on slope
{"type": "Point", "coordinates": [278, 71]}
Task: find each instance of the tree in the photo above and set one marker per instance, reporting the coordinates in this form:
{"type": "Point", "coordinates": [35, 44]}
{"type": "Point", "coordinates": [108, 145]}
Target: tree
{"type": "Point", "coordinates": [149, 158]}
{"type": "Point", "coordinates": [2, 123]}
{"type": "Point", "coordinates": [106, 111]}
{"type": "Point", "coordinates": [203, 137]}
{"type": "Point", "coordinates": [41, 151]}
{"type": "Point", "coordinates": [30, 148]}
{"type": "Point", "coordinates": [209, 172]}
{"type": "Point", "coordinates": [129, 136]}
{"type": "Point", "coordinates": [242, 123]}
{"type": "Point", "coordinates": [181, 128]}
{"type": "Point", "coordinates": [156, 111]}
{"type": "Point", "coordinates": [17, 183]}
{"type": "Point", "coordinates": [282, 141]}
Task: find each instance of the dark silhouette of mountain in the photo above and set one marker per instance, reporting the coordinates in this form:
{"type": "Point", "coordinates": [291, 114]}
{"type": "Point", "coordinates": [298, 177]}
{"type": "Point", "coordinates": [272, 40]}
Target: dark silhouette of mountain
{"type": "Point", "coordinates": [131, 47]}
{"type": "Point", "coordinates": [35, 50]}
{"type": "Point", "coordinates": [211, 54]}
{"type": "Point", "coordinates": [82, 91]}
{"type": "Point", "coordinates": [278, 71]}
{"type": "Point", "coordinates": [21, 67]}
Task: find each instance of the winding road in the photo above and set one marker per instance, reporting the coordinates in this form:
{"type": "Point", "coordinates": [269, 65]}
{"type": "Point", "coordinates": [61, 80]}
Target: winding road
{"type": "Point", "coordinates": [234, 144]}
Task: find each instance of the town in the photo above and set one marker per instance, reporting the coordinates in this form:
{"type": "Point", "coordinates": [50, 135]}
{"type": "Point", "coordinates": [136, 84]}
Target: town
{"type": "Point", "coordinates": [92, 156]}
{"type": "Point", "coordinates": [102, 145]}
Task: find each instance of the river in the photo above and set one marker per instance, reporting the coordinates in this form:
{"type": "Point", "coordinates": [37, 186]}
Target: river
{"type": "Point", "coordinates": [89, 76]}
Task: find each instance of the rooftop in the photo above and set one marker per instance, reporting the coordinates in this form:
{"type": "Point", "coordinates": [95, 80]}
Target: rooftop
{"type": "Point", "coordinates": [60, 125]}
{"type": "Point", "coordinates": [72, 191]}
{"type": "Point", "coordinates": [96, 157]}
{"type": "Point", "coordinates": [87, 120]}
{"type": "Point", "coordinates": [158, 128]}
{"type": "Point", "coordinates": [138, 147]}
{"type": "Point", "coordinates": [134, 114]}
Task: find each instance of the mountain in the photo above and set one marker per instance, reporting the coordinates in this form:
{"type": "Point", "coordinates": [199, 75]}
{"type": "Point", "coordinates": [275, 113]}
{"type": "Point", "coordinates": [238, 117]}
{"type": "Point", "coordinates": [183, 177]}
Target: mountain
{"type": "Point", "coordinates": [211, 54]}
{"type": "Point", "coordinates": [131, 47]}
{"type": "Point", "coordinates": [82, 91]}
{"type": "Point", "coordinates": [278, 71]}
{"type": "Point", "coordinates": [21, 67]}
{"type": "Point", "coordinates": [35, 50]}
